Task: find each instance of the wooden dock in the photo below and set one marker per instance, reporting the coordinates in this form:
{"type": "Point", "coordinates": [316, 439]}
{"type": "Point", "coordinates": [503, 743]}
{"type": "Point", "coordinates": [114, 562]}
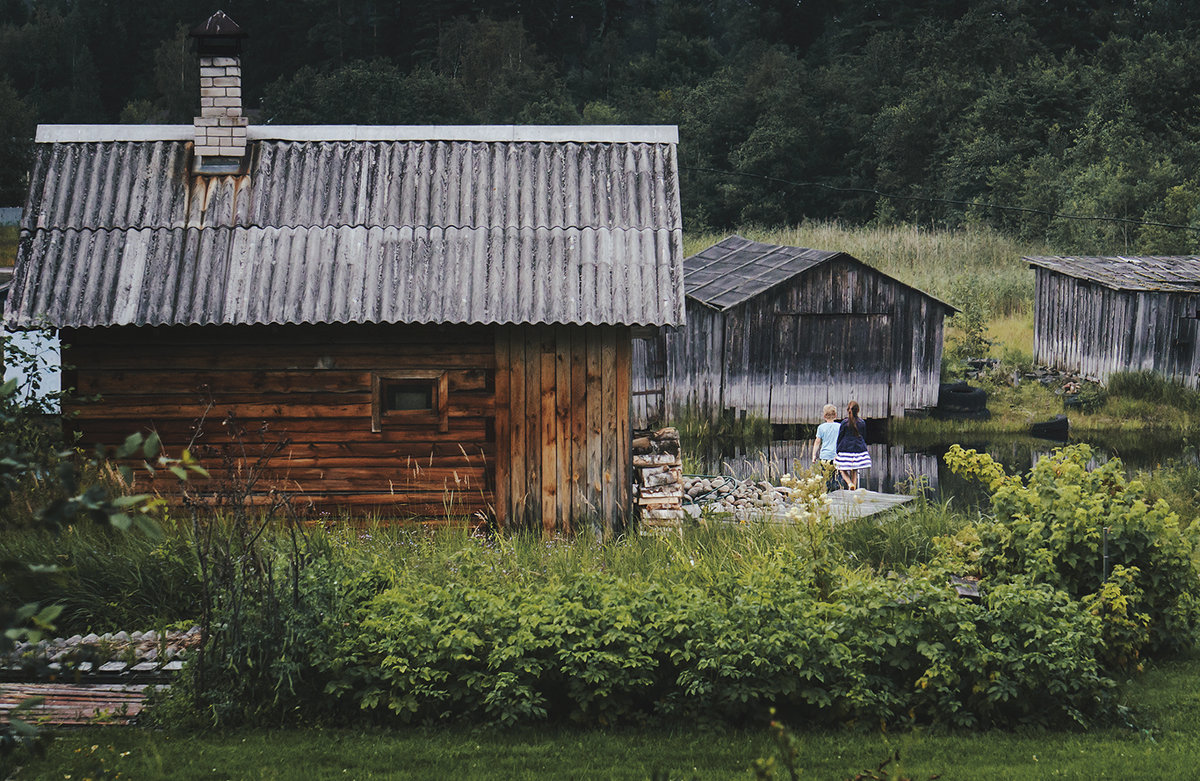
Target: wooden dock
{"type": "Point", "coordinates": [76, 705]}
{"type": "Point", "coordinates": [851, 505]}
{"type": "Point", "coordinates": [844, 506]}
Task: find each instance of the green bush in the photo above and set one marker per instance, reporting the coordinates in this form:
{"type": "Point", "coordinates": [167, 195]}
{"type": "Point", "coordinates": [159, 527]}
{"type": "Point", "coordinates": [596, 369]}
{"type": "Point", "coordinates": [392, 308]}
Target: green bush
{"type": "Point", "coordinates": [698, 643]}
{"type": "Point", "coordinates": [1058, 526]}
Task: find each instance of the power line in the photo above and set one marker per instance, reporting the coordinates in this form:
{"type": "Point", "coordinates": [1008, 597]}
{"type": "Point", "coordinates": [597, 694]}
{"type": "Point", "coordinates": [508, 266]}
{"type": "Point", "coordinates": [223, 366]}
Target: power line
{"type": "Point", "coordinates": [929, 199]}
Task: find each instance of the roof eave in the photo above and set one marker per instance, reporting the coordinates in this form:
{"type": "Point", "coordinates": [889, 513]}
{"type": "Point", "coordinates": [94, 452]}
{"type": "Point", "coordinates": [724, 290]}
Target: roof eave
{"type": "Point", "coordinates": [600, 134]}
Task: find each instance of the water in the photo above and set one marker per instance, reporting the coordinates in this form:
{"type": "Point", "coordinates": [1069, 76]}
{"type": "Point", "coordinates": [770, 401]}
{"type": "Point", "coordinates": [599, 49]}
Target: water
{"type": "Point", "coordinates": [902, 466]}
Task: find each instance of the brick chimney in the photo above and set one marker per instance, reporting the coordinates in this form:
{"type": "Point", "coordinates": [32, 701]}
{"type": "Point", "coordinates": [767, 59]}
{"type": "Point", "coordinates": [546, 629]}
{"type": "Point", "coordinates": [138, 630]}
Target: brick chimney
{"type": "Point", "coordinates": [220, 130]}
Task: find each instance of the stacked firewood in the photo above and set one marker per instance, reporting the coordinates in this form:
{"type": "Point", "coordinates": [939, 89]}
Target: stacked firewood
{"type": "Point", "coordinates": [658, 476]}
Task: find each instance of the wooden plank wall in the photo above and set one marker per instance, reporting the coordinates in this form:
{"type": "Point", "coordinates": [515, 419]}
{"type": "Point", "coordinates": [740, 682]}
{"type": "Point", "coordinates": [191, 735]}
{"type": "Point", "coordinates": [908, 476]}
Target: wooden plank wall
{"type": "Point", "coordinates": [694, 363]}
{"type": "Point", "coordinates": [840, 331]}
{"type": "Point", "coordinates": [563, 396]}
{"type": "Point", "coordinates": [650, 381]}
{"type": "Point", "coordinates": [311, 387]}
{"type": "Point", "coordinates": [1097, 331]}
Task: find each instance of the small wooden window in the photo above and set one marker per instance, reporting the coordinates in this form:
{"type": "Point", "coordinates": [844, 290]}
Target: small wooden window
{"type": "Point", "coordinates": [409, 397]}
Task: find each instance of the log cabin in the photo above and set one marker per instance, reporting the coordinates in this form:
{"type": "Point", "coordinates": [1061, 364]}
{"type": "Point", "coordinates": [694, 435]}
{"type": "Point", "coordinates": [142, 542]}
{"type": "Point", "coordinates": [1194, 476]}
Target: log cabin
{"type": "Point", "coordinates": [1102, 315]}
{"type": "Point", "coordinates": [778, 332]}
{"type": "Point", "coordinates": [407, 321]}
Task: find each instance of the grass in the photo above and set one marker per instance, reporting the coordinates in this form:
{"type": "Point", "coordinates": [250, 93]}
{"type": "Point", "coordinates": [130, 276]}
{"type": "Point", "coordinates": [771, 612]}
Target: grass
{"type": "Point", "coordinates": [1162, 741]}
{"type": "Point", "coordinates": [947, 264]}
{"type": "Point", "coordinates": [107, 580]}
{"type": "Point", "coordinates": [8, 244]}
{"type": "Point", "coordinates": [899, 539]}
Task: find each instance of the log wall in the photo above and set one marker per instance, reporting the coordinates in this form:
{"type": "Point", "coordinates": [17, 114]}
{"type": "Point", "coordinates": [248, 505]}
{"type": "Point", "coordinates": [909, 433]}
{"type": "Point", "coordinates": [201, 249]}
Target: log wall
{"type": "Point", "coordinates": [309, 387]}
{"type": "Point", "coordinates": [536, 425]}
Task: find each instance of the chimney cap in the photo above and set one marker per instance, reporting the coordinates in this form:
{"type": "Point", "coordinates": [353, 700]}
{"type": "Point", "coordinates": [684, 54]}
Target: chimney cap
{"type": "Point", "coordinates": [218, 26]}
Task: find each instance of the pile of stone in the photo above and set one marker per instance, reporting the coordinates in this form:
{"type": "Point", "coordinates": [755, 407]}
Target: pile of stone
{"type": "Point", "coordinates": [658, 480]}
{"type": "Point", "coordinates": [741, 498]}
{"type": "Point", "coordinates": [111, 652]}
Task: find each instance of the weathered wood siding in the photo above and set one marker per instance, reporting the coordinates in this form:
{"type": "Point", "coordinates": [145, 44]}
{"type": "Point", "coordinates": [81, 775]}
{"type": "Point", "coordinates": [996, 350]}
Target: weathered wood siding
{"type": "Point", "coordinates": [537, 417]}
{"type": "Point", "coordinates": [1097, 331]}
{"type": "Point", "coordinates": [648, 395]}
{"type": "Point", "coordinates": [837, 332]}
{"type": "Point", "coordinates": [308, 386]}
{"type": "Point", "coordinates": [563, 396]}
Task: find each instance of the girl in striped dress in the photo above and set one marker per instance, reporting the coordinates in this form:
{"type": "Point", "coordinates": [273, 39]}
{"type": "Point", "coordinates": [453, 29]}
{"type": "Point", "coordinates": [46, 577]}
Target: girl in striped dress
{"type": "Point", "coordinates": [852, 452]}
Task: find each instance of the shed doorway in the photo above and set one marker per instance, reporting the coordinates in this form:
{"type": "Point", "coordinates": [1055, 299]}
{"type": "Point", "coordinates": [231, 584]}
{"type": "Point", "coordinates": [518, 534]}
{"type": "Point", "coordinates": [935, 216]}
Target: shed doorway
{"type": "Point", "coordinates": [819, 359]}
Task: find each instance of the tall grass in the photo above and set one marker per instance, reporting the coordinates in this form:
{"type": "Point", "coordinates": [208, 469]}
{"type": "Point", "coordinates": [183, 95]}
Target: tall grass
{"type": "Point", "coordinates": [947, 264]}
{"type": "Point", "coordinates": [902, 538]}
{"type": "Point", "coordinates": [703, 438]}
{"type": "Point", "coordinates": [1153, 388]}
{"type": "Point", "coordinates": [8, 244]}
{"type": "Point", "coordinates": [452, 553]}
{"type": "Point", "coordinates": [106, 580]}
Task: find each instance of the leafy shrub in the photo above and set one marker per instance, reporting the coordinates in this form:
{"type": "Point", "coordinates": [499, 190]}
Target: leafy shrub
{"type": "Point", "coordinates": [1057, 527]}
{"type": "Point", "coordinates": [1089, 398]}
{"type": "Point", "coordinates": [702, 643]}
{"type": "Point", "coordinates": [1124, 629]}
{"type": "Point", "coordinates": [971, 340]}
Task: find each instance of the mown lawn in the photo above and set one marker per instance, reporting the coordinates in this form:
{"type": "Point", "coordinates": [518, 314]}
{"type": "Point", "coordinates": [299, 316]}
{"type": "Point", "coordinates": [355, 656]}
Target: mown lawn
{"type": "Point", "coordinates": [1163, 741]}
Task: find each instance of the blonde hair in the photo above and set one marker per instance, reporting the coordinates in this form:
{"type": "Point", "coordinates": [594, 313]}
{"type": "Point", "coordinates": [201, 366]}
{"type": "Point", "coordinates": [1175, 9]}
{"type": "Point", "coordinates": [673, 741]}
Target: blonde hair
{"type": "Point", "coordinates": [829, 412]}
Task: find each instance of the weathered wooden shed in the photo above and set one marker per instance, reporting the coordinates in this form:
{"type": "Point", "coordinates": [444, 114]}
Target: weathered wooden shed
{"type": "Point", "coordinates": [780, 331]}
{"type": "Point", "coordinates": [433, 319]}
{"type": "Point", "coordinates": [1101, 315]}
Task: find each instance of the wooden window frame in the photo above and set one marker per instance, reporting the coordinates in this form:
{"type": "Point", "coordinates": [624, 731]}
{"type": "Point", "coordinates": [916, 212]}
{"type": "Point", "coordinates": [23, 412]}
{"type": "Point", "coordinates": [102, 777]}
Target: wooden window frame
{"type": "Point", "coordinates": [439, 392]}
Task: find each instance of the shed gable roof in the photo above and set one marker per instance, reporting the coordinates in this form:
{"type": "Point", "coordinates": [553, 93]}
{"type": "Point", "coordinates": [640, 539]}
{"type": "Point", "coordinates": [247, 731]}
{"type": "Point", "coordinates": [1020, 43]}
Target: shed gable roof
{"type": "Point", "coordinates": [735, 270]}
{"type": "Point", "coordinates": [1165, 273]}
{"type": "Point", "coordinates": [348, 224]}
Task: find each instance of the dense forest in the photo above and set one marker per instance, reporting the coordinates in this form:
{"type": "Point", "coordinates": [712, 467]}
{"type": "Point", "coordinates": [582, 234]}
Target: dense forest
{"type": "Point", "coordinates": [1070, 122]}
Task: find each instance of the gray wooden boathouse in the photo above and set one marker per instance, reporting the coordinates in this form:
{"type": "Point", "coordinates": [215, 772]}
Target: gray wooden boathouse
{"type": "Point", "coordinates": [779, 331]}
{"type": "Point", "coordinates": [1101, 315]}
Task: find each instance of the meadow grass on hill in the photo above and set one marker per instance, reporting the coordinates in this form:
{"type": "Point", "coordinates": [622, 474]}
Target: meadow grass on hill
{"type": "Point", "coordinates": [950, 265]}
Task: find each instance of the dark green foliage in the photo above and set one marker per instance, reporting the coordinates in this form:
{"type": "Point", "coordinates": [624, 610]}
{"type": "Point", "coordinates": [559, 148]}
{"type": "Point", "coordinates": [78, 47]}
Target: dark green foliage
{"type": "Point", "coordinates": [788, 111]}
{"type": "Point", "coordinates": [971, 321]}
{"type": "Point", "coordinates": [105, 581]}
{"type": "Point", "coordinates": [27, 609]}
{"type": "Point", "coordinates": [714, 645]}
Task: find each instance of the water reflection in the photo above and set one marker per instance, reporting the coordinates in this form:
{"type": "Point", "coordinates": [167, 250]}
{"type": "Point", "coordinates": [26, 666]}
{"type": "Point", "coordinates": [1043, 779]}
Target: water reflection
{"type": "Point", "coordinates": [897, 467]}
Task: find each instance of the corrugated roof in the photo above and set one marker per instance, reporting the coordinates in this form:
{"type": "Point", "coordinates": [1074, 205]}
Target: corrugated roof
{"type": "Point", "coordinates": [1175, 274]}
{"type": "Point", "coordinates": [735, 270]}
{"type": "Point", "coordinates": [119, 232]}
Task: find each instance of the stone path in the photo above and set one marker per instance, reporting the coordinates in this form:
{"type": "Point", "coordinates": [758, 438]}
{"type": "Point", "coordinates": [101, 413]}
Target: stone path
{"type": "Point", "coordinates": [749, 500]}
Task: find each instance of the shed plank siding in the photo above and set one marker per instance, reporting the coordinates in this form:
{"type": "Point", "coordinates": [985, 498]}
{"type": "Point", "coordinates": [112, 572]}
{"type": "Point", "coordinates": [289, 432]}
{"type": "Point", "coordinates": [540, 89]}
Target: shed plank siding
{"type": "Point", "coordinates": [1097, 331]}
{"type": "Point", "coordinates": [835, 332]}
{"type": "Point", "coordinates": [575, 446]}
{"type": "Point", "coordinates": [307, 386]}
